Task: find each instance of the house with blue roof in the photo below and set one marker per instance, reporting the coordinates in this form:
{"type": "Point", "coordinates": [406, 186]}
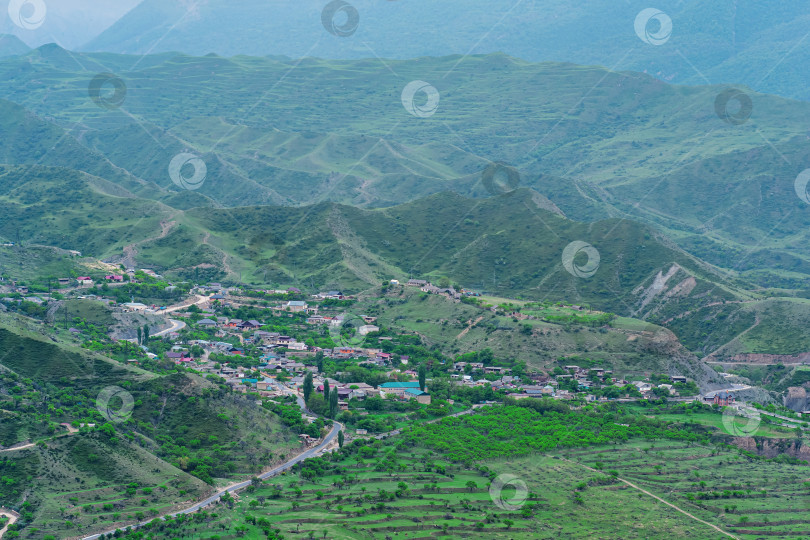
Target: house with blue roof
{"type": "Point", "coordinates": [419, 395]}
{"type": "Point", "coordinates": [409, 384]}
{"type": "Point", "coordinates": [405, 390]}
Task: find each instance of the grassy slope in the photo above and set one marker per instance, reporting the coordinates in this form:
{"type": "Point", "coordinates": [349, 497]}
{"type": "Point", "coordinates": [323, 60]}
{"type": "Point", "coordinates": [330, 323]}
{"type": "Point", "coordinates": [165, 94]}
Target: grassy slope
{"type": "Point", "coordinates": [639, 146]}
{"type": "Point", "coordinates": [719, 190]}
{"type": "Point", "coordinates": [511, 244]}
{"type": "Point", "coordinates": [632, 348]}
{"type": "Point", "coordinates": [195, 417]}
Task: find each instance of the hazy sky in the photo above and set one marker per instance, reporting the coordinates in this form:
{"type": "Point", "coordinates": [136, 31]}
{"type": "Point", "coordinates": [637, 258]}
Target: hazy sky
{"type": "Point", "coordinates": [70, 23]}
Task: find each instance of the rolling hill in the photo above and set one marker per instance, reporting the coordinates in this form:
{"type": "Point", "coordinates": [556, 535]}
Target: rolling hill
{"type": "Point", "coordinates": [11, 45]}
{"type": "Point", "coordinates": [597, 143]}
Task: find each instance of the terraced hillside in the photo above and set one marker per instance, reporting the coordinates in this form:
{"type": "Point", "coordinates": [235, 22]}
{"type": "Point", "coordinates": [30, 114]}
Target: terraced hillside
{"type": "Point", "coordinates": [437, 481]}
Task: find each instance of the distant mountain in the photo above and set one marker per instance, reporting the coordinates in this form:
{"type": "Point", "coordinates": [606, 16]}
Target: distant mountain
{"type": "Point", "coordinates": [11, 46]}
{"type": "Point", "coordinates": [70, 23]}
{"type": "Point", "coordinates": [597, 143]}
{"type": "Point", "coordinates": [750, 42]}
{"type": "Point", "coordinates": [26, 139]}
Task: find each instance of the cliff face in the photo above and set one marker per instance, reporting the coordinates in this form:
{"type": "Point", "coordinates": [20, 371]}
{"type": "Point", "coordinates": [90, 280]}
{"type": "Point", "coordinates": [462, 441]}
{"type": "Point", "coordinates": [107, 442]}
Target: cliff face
{"type": "Point", "coordinates": [771, 448]}
{"type": "Point", "coordinates": [759, 358]}
{"type": "Point", "coordinates": [796, 399]}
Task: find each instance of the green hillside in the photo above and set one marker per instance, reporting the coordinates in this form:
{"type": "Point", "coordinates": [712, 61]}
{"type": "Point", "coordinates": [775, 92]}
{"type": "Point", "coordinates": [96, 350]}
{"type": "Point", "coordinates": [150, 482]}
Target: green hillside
{"type": "Point", "coordinates": [302, 189]}
{"type": "Point", "coordinates": [183, 435]}
{"type": "Point", "coordinates": [597, 143]}
{"type": "Point", "coordinates": [511, 245]}
{"type": "Point", "coordinates": [630, 348]}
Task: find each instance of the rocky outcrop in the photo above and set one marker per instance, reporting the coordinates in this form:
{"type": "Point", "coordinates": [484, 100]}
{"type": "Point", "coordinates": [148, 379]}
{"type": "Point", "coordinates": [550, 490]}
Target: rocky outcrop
{"type": "Point", "coordinates": [796, 399]}
{"type": "Point", "coordinates": [771, 448]}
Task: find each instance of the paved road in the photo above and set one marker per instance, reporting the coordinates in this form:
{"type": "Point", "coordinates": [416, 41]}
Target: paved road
{"type": "Point", "coordinates": [175, 324]}
{"type": "Point", "coordinates": [198, 300]}
{"type": "Point", "coordinates": [175, 327]}
{"type": "Point", "coordinates": [752, 412]}
{"type": "Point", "coordinates": [312, 452]}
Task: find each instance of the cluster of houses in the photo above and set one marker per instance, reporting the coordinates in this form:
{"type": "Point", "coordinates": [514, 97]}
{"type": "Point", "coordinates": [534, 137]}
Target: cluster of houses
{"type": "Point", "coordinates": [269, 386]}
{"type": "Point", "coordinates": [427, 287]}
{"type": "Point", "coordinates": [545, 386]}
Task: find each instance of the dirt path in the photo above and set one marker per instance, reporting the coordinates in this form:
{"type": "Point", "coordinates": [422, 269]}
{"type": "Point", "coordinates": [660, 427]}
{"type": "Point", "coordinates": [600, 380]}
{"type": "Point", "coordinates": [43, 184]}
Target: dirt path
{"type": "Point", "coordinates": [470, 327]}
{"type": "Point", "coordinates": [198, 299]}
{"type": "Point", "coordinates": [15, 448]}
{"type": "Point", "coordinates": [682, 511]}
{"type": "Point", "coordinates": [226, 267]}
{"type": "Point", "coordinates": [131, 251]}
{"type": "Point", "coordinates": [12, 518]}
{"type": "Point", "coordinates": [71, 430]}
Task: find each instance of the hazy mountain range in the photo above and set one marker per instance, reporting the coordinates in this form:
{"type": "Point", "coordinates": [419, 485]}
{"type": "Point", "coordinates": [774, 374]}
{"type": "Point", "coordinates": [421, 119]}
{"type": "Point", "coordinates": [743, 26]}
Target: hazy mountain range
{"type": "Point", "coordinates": [753, 43]}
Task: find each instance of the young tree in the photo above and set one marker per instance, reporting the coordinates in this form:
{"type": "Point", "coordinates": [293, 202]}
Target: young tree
{"type": "Point", "coordinates": [333, 404]}
{"type": "Point", "coordinates": [139, 336]}
{"type": "Point", "coordinates": [326, 390]}
{"type": "Point", "coordinates": [319, 361]}
{"type": "Point", "coordinates": [308, 386]}
{"type": "Point", "coordinates": [340, 438]}
{"type": "Point", "coordinates": [146, 334]}
{"type": "Point", "coordinates": [422, 377]}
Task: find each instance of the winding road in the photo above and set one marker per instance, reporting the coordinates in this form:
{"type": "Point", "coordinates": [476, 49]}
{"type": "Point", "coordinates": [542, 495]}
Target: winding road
{"type": "Point", "coordinates": [12, 518]}
{"type": "Point", "coordinates": [175, 327]}
{"type": "Point", "coordinates": [312, 452]}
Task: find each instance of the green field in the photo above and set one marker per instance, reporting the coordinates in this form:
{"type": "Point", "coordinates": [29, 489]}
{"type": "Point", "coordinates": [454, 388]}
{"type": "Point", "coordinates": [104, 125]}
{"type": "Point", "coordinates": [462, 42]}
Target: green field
{"type": "Point", "coordinates": [407, 487]}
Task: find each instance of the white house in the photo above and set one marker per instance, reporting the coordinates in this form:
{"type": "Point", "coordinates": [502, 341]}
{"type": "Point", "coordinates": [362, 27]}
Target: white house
{"type": "Point", "coordinates": [367, 329]}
